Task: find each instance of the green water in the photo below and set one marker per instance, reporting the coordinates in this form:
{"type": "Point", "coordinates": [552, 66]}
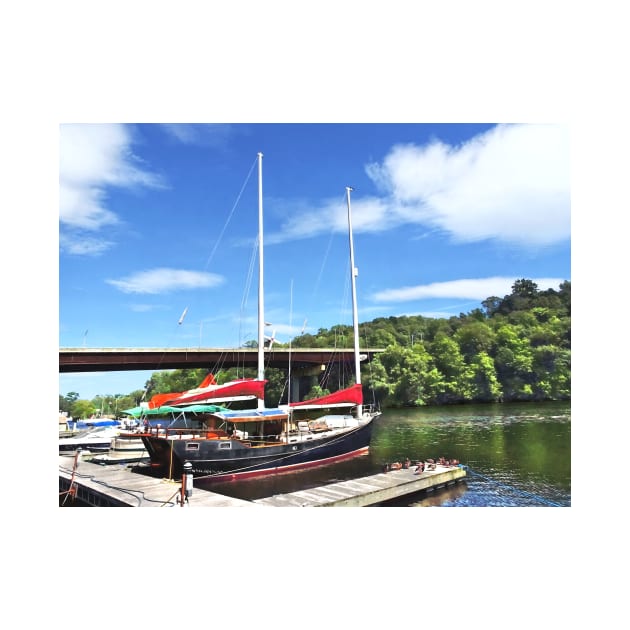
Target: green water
{"type": "Point", "coordinates": [516, 455]}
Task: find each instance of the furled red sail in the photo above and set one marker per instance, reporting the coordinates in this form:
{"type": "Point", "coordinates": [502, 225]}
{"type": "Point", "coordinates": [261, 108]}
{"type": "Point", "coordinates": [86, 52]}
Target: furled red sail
{"type": "Point", "coordinates": [234, 390]}
{"type": "Point", "coordinates": [209, 380]}
{"type": "Point", "coordinates": [161, 399]}
{"type": "Point", "coordinates": [342, 398]}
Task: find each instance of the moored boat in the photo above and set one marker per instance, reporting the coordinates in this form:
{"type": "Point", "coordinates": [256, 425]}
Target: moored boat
{"type": "Point", "coordinates": [125, 448]}
{"type": "Point", "coordinates": [236, 444]}
{"type": "Point", "coordinates": [94, 439]}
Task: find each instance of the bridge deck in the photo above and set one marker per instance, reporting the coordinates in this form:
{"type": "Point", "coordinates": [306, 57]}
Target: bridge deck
{"type": "Point", "coordinates": [122, 359]}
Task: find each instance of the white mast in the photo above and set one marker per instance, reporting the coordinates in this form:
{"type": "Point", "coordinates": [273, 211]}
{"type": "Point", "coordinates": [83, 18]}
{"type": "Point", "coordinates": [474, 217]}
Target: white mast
{"type": "Point", "coordinates": [354, 272]}
{"type": "Point", "coordinates": [261, 294]}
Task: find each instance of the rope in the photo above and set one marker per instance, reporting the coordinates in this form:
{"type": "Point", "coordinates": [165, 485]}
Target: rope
{"type": "Point", "coordinates": [315, 291]}
{"type": "Point", "coordinates": [210, 257]}
{"type": "Point", "coordinates": [240, 194]}
{"type": "Point", "coordinates": [511, 488]}
{"type": "Point", "coordinates": [133, 493]}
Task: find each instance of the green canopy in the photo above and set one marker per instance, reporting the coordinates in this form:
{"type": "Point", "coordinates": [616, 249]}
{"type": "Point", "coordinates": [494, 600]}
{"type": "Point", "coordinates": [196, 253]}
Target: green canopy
{"type": "Point", "coordinates": [138, 412]}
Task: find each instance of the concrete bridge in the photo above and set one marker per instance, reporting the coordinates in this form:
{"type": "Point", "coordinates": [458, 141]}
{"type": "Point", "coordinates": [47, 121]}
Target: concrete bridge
{"type": "Point", "coordinates": [121, 359]}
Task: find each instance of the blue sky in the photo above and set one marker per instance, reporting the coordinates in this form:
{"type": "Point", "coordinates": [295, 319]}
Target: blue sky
{"type": "Point", "coordinates": [158, 219]}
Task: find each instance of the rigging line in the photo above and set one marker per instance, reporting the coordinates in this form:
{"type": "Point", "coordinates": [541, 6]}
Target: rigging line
{"type": "Point", "coordinates": [323, 265]}
{"type": "Point", "coordinates": [246, 290]}
{"type": "Point", "coordinates": [250, 275]}
{"type": "Point", "coordinates": [170, 344]}
{"type": "Point", "coordinates": [227, 221]}
{"type": "Point", "coordinates": [370, 369]}
{"type": "Point", "coordinates": [212, 253]}
{"type": "Point", "coordinates": [238, 198]}
{"type": "Point", "coordinates": [244, 298]}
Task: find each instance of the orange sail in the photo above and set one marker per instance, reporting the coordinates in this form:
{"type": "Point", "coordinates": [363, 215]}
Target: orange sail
{"type": "Point", "coordinates": [240, 389]}
{"type": "Point", "coordinates": [160, 399]}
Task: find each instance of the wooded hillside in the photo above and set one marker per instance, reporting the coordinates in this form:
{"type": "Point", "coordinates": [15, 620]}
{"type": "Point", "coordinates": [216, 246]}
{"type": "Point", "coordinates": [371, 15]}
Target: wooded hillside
{"type": "Point", "coordinates": [514, 348]}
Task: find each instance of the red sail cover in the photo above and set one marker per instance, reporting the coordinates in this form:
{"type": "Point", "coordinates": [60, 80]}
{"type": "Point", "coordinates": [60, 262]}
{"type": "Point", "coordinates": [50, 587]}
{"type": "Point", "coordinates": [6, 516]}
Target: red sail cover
{"type": "Point", "coordinates": [160, 399]}
{"type": "Point", "coordinates": [246, 387]}
{"type": "Point", "coordinates": [349, 396]}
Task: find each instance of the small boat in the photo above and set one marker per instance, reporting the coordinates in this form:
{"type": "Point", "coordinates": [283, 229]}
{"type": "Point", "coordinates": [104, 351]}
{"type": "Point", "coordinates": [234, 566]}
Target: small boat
{"type": "Point", "coordinates": [237, 444]}
{"type": "Point", "coordinates": [126, 448]}
{"type": "Point", "coordinates": [107, 440]}
{"type": "Point", "coordinates": [93, 439]}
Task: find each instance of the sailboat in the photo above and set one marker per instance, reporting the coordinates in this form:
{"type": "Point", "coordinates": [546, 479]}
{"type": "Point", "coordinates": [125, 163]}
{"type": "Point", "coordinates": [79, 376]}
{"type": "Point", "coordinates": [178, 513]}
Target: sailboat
{"type": "Point", "coordinates": [239, 444]}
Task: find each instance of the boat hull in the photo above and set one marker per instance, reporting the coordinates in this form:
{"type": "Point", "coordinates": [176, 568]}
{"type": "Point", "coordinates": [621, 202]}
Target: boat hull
{"type": "Point", "coordinates": [236, 459]}
{"type": "Point", "coordinates": [127, 443]}
{"type": "Point", "coordinates": [93, 446]}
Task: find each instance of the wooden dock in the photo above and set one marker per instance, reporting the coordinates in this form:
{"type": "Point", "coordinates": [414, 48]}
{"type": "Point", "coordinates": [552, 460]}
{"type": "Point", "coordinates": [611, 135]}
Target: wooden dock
{"type": "Point", "coordinates": [368, 490]}
{"type": "Point", "coordinates": [116, 485]}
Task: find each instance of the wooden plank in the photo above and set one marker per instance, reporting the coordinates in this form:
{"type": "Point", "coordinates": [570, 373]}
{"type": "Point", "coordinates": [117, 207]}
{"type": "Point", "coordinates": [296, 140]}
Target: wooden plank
{"type": "Point", "coordinates": [119, 485]}
{"type": "Point", "coordinates": [116, 484]}
{"type": "Point", "coordinates": [367, 490]}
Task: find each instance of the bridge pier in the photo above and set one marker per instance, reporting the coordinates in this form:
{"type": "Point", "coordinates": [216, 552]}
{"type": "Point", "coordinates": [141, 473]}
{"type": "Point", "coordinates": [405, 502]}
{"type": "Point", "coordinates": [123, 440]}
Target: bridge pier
{"type": "Point", "coordinates": [302, 379]}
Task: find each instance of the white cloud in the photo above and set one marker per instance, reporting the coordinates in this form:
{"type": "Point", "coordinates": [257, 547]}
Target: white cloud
{"type": "Point", "coordinates": [164, 280]}
{"type": "Point", "coordinates": [215, 135]}
{"type": "Point", "coordinates": [84, 245]}
{"type": "Point", "coordinates": [93, 157]}
{"type": "Point", "coordinates": [511, 184]}
{"type": "Point", "coordinates": [469, 289]}
{"type": "Point", "coordinates": [369, 214]}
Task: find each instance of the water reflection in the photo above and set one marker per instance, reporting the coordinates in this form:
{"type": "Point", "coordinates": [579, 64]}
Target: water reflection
{"type": "Point", "coordinates": [512, 451]}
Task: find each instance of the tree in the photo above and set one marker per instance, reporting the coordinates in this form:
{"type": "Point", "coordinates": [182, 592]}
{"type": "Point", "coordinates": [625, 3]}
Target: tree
{"type": "Point", "coordinates": [66, 402]}
{"type": "Point", "coordinates": [491, 305]}
{"type": "Point", "coordinates": [276, 388]}
{"type": "Point", "coordinates": [486, 385]}
{"type": "Point", "coordinates": [378, 381]}
{"type": "Point", "coordinates": [315, 392]}
{"type": "Point", "coordinates": [552, 370]}
{"type": "Point", "coordinates": [82, 409]}
{"type": "Point", "coordinates": [450, 362]}
{"type": "Point", "coordinates": [565, 295]}
{"type": "Point", "coordinates": [525, 288]}
{"type": "Point", "coordinates": [513, 363]}
{"type": "Point", "coordinates": [475, 337]}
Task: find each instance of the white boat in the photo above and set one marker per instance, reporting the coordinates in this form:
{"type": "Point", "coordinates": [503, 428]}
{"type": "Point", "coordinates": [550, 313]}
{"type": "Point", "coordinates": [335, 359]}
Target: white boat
{"type": "Point", "coordinates": [125, 448]}
{"type": "Point", "coordinates": [94, 439]}
{"type": "Point", "coordinates": [105, 443]}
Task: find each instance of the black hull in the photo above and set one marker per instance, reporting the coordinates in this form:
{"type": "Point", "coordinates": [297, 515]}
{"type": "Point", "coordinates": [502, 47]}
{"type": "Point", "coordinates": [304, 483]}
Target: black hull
{"type": "Point", "coordinates": [86, 446]}
{"type": "Point", "coordinates": [214, 459]}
